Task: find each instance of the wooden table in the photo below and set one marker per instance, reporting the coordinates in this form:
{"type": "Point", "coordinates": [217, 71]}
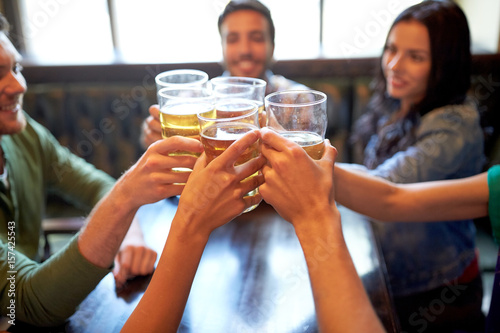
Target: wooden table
{"type": "Point", "coordinates": [252, 277]}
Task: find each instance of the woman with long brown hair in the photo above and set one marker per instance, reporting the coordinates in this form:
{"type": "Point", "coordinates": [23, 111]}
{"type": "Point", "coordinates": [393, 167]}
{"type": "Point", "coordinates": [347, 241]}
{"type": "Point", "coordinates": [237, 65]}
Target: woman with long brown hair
{"type": "Point", "coordinates": [420, 126]}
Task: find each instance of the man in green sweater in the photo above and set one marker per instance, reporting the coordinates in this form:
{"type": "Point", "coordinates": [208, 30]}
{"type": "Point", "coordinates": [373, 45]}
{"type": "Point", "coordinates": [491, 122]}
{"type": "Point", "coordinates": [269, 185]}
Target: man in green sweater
{"type": "Point", "coordinates": [33, 163]}
{"type": "Point", "coordinates": [47, 294]}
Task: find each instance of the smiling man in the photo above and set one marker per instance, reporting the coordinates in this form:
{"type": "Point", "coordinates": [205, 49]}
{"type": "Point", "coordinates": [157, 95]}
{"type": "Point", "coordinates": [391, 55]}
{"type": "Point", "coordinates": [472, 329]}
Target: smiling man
{"type": "Point", "coordinates": [247, 37]}
{"type": "Point", "coordinates": [13, 84]}
{"type": "Point", "coordinates": [33, 164]}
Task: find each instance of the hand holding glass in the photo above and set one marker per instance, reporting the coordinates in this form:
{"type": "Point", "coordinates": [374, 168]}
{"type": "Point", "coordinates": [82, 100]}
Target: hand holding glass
{"type": "Point", "coordinates": [232, 119]}
{"type": "Point", "coordinates": [300, 116]}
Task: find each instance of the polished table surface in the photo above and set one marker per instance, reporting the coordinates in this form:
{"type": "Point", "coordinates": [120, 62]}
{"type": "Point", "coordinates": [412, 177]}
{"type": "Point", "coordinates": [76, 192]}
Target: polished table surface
{"type": "Point", "coordinates": [252, 277]}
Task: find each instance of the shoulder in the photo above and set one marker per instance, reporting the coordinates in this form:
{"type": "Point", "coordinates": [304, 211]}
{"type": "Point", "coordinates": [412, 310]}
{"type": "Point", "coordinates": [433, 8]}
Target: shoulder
{"type": "Point", "coordinates": [279, 82]}
{"type": "Point", "coordinates": [466, 111]}
{"type": "Point", "coordinates": [452, 116]}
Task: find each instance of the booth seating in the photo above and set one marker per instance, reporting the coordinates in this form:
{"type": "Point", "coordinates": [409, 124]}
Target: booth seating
{"type": "Point", "coordinates": [97, 111]}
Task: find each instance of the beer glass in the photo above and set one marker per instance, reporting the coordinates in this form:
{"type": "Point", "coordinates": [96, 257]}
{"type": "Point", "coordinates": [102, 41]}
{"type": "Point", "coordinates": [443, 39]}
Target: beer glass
{"type": "Point", "coordinates": [184, 77]}
{"type": "Point", "coordinates": [178, 112]}
{"type": "Point", "coordinates": [232, 120]}
{"type": "Point", "coordinates": [253, 89]}
{"type": "Point", "coordinates": [300, 116]}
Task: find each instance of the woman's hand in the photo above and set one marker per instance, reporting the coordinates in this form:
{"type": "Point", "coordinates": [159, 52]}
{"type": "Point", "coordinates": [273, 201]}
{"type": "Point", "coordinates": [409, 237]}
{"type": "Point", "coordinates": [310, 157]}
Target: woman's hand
{"type": "Point", "coordinates": [215, 193]}
{"type": "Point", "coordinates": [297, 186]}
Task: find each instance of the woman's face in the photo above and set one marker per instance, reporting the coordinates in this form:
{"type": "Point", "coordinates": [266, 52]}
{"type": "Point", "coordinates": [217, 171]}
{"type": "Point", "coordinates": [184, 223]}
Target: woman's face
{"type": "Point", "coordinates": [406, 62]}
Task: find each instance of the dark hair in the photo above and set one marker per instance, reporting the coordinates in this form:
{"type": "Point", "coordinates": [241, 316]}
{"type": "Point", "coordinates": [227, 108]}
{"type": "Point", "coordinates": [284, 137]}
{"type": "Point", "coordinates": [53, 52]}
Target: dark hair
{"type": "Point", "coordinates": [4, 24]}
{"type": "Point", "coordinates": [449, 36]}
{"type": "Point", "coordinates": [254, 5]}
{"type": "Point", "coordinates": [449, 77]}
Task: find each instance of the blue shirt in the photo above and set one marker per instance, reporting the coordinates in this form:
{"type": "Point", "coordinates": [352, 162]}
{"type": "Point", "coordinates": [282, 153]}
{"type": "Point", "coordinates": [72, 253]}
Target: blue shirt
{"type": "Point", "coordinates": [424, 256]}
{"type": "Point", "coordinates": [278, 83]}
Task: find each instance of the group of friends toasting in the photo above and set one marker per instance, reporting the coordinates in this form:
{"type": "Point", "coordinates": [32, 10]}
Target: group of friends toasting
{"type": "Point", "coordinates": [421, 173]}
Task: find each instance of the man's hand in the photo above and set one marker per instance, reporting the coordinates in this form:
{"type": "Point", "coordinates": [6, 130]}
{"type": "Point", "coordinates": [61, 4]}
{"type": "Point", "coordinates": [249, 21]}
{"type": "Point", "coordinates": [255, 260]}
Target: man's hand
{"type": "Point", "coordinates": [134, 258]}
{"type": "Point", "coordinates": [151, 127]}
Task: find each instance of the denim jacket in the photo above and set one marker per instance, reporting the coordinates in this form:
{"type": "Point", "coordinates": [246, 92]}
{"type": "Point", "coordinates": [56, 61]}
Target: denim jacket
{"type": "Point", "coordinates": [423, 256]}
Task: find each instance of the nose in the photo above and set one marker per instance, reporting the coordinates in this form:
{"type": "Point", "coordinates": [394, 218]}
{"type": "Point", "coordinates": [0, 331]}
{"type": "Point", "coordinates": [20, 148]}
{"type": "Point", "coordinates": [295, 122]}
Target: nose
{"type": "Point", "coordinates": [396, 62]}
{"type": "Point", "coordinates": [244, 46]}
{"type": "Point", "coordinates": [15, 84]}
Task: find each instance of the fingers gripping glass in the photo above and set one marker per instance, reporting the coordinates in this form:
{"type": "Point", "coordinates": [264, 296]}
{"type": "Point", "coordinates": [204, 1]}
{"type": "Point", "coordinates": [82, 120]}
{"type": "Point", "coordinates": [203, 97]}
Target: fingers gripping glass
{"type": "Point", "coordinates": [232, 119]}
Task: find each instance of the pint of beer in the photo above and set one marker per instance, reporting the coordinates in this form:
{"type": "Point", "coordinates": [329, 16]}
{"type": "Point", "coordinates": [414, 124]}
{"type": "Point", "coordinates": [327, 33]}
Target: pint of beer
{"type": "Point", "coordinates": [232, 119]}
{"type": "Point", "coordinates": [179, 108]}
{"type": "Point", "coordinates": [300, 116]}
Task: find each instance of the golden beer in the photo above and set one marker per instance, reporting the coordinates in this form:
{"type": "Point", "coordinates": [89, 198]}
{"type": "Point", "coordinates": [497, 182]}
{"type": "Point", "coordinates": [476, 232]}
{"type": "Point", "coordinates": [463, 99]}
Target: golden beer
{"type": "Point", "coordinates": [181, 120]}
{"type": "Point", "coordinates": [262, 116]}
{"type": "Point", "coordinates": [218, 137]}
{"type": "Point", "coordinates": [311, 142]}
{"type": "Point", "coordinates": [235, 108]}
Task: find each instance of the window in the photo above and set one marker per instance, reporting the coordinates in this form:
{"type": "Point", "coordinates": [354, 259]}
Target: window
{"type": "Point", "coordinates": [154, 31]}
{"type": "Point", "coordinates": [167, 31]}
{"type": "Point", "coordinates": [297, 24]}
{"type": "Point", "coordinates": [61, 32]}
{"type": "Point", "coordinates": [352, 33]}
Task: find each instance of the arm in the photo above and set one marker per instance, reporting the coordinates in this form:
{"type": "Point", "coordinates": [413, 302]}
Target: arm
{"type": "Point", "coordinates": [84, 185]}
{"type": "Point", "coordinates": [214, 195]}
{"type": "Point", "coordinates": [301, 191]}
{"type": "Point", "coordinates": [135, 258]}
{"type": "Point", "coordinates": [46, 294]}
{"type": "Point", "coordinates": [149, 182]}
{"type": "Point", "coordinates": [420, 202]}
{"type": "Point", "coordinates": [50, 292]}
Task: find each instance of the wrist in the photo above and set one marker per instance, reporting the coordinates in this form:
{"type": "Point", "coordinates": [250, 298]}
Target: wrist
{"type": "Point", "coordinates": [122, 197]}
{"type": "Point", "coordinates": [321, 222]}
{"type": "Point", "coordinates": [187, 228]}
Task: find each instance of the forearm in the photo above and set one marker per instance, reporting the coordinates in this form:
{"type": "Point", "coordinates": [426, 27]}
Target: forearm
{"type": "Point", "coordinates": [368, 195]}
{"type": "Point", "coordinates": [456, 199]}
{"type": "Point", "coordinates": [342, 304]}
{"type": "Point", "coordinates": [164, 301]}
{"type": "Point", "coordinates": [47, 294]}
{"type": "Point", "coordinates": [106, 228]}
{"type": "Point", "coordinates": [419, 202]}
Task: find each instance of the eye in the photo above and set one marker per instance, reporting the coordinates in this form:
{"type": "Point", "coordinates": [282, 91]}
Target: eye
{"type": "Point", "coordinates": [258, 37]}
{"type": "Point", "coordinates": [390, 49]}
{"type": "Point", "coordinates": [17, 68]}
{"type": "Point", "coordinates": [231, 38]}
{"type": "Point", "coordinates": [417, 57]}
